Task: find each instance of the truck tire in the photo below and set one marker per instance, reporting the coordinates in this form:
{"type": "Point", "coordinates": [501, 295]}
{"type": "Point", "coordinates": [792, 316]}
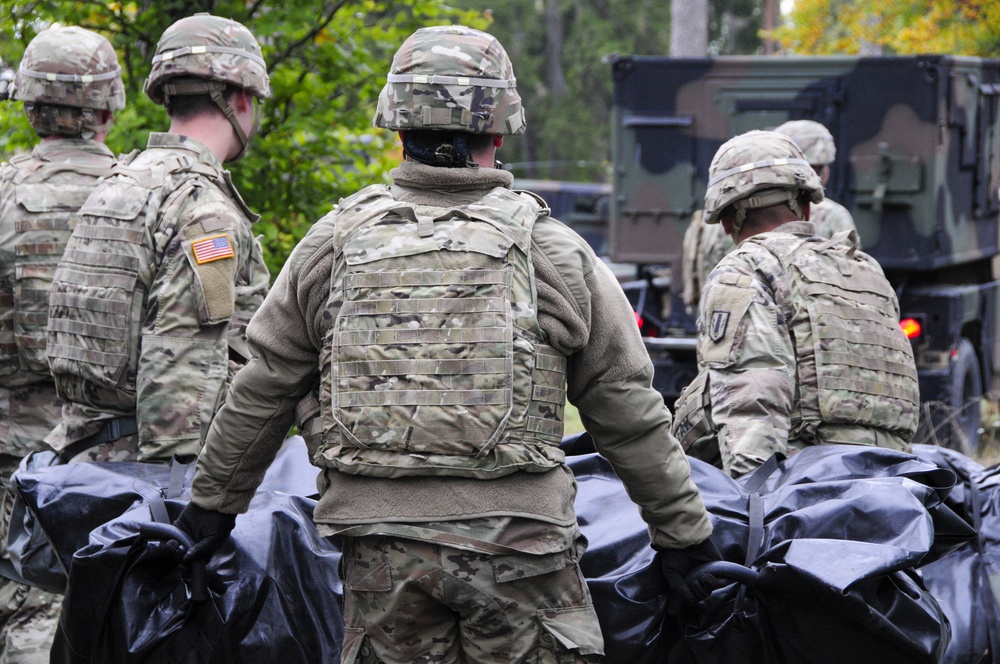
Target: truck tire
{"type": "Point", "coordinates": [965, 391]}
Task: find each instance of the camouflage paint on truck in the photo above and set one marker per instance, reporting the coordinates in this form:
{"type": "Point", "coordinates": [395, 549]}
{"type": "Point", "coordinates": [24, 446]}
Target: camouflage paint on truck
{"type": "Point", "coordinates": [917, 166]}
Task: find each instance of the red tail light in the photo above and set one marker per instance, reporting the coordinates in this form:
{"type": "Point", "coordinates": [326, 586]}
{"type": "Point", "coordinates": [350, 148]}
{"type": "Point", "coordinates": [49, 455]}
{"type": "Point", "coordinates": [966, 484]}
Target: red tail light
{"type": "Point", "coordinates": [638, 319]}
{"type": "Point", "coordinates": [911, 327]}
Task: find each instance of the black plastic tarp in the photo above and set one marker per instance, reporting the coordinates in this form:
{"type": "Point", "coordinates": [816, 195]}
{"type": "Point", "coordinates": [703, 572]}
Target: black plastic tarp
{"type": "Point", "coordinates": [57, 506]}
{"type": "Point", "coordinates": [839, 532]}
{"type": "Point", "coordinates": [966, 582]}
{"type": "Point", "coordinates": [834, 533]}
{"type": "Point", "coordinates": [273, 594]}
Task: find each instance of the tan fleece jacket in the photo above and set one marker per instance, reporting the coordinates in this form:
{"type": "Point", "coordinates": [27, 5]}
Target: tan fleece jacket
{"type": "Point", "coordinates": [580, 307]}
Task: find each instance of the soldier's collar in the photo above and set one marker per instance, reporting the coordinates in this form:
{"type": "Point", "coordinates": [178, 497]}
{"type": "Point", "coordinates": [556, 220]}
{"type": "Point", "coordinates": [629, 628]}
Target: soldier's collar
{"type": "Point", "coordinates": [45, 149]}
{"type": "Point", "coordinates": [420, 176]}
{"type": "Point", "coordinates": [167, 140]}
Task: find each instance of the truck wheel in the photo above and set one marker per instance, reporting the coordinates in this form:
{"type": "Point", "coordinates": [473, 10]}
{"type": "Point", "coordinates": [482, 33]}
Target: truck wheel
{"type": "Point", "coordinates": [965, 392]}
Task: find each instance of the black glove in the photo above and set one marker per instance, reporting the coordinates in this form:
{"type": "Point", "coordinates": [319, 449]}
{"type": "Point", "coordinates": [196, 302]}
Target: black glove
{"type": "Point", "coordinates": [209, 529]}
{"type": "Point", "coordinates": [676, 563]}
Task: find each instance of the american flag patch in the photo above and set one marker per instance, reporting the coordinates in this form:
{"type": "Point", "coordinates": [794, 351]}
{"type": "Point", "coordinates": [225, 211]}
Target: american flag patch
{"type": "Point", "coordinates": [212, 249]}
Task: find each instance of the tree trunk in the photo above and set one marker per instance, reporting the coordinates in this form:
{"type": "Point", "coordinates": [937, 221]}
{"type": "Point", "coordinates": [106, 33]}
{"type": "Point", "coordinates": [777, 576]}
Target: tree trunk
{"type": "Point", "coordinates": [554, 74]}
{"type": "Point", "coordinates": [689, 28]}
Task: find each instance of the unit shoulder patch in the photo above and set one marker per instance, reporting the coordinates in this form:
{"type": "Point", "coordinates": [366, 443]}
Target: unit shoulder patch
{"type": "Point", "coordinates": [725, 307]}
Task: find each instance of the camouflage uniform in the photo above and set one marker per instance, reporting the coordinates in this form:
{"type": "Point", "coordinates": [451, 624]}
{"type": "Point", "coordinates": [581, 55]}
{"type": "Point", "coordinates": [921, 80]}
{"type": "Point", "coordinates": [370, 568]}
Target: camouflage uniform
{"type": "Point", "coordinates": [830, 217]}
{"type": "Point", "coordinates": [40, 195]}
{"type": "Point", "coordinates": [161, 274]}
{"type": "Point", "coordinates": [798, 337]}
{"type": "Point", "coordinates": [442, 318]}
{"type": "Point", "coordinates": [706, 244]}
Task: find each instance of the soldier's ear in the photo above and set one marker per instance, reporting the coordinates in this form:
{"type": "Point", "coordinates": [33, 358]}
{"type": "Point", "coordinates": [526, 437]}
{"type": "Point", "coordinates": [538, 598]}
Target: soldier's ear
{"type": "Point", "coordinates": [497, 140]}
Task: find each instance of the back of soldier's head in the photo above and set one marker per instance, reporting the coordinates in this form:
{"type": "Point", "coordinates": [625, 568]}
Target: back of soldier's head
{"type": "Point", "coordinates": [449, 83]}
{"type": "Point", "coordinates": [200, 61]}
{"type": "Point", "coordinates": [203, 52]}
{"type": "Point", "coordinates": [815, 140]}
{"type": "Point", "coordinates": [759, 169]}
{"type": "Point", "coordinates": [67, 78]}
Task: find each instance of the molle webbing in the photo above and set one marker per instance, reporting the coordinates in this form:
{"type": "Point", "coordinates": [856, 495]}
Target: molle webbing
{"type": "Point", "coordinates": [97, 301]}
{"type": "Point", "coordinates": [42, 220]}
{"type": "Point", "coordinates": [436, 350]}
{"type": "Point", "coordinates": [847, 335]}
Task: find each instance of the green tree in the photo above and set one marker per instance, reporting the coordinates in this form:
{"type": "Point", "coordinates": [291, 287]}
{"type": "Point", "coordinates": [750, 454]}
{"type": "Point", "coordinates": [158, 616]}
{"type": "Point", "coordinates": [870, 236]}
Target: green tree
{"type": "Point", "coordinates": [327, 60]}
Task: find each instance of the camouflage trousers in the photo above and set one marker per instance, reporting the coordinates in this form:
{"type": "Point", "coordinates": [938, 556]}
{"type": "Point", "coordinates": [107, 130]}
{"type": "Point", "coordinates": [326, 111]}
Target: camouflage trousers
{"type": "Point", "coordinates": [411, 601]}
{"type": "Point", "coordinates": [28, 616]}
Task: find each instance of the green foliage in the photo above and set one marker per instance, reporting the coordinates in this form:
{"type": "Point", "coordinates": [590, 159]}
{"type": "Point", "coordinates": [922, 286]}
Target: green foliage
{"type": "Point", "coordinates": [971, 27]}
{"type": "Point", "coordinates": [327, 61]}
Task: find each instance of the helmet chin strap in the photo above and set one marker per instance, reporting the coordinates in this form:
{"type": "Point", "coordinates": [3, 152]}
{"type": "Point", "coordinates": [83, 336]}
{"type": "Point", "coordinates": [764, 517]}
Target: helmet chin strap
{"type": "Point", "coordinates": [765, 198]}
{"type": "Point", "coordinates": [215, 90]}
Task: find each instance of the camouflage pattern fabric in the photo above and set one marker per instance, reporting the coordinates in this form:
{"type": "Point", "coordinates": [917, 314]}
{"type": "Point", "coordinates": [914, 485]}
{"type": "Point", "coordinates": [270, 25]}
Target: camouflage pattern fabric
{"type": "Point", "coordinates": [492, 535]}
{"type": "Point", "coordinates": [40, 195]}
{"type": "Point", "coordinates": [210, 48]}
{"type": "Point", "coordinates": [704, 246]}
{"type": "Point", "coordinates": [67, 74]}
{"type": "Point", "coordinates": [70, 66]}
{"type": "Point", "coordinates": [838, 371]}
{"type": "Point", "coordinates": [749, 168]}
{"type": "Point", "coordinates": [28, 616]}
{"type": "Point", "coordinates": [163, 260]}
{"type": "Point", "coordinates": [815, 140]}
{"type": "Point", "coordinates": [451, 78]}
{"type": "Point", "coordinates": [407, 601]}
{"type": "Point", "coordinates": [830, 217]}
{"type": "Point", "coordinates": [436, 367]}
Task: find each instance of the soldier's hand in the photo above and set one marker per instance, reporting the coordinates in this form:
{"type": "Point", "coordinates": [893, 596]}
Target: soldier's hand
{"type": "Point", "coordinates": [676, 563]}
{"type": "Point", "coordinates": [209, 530]}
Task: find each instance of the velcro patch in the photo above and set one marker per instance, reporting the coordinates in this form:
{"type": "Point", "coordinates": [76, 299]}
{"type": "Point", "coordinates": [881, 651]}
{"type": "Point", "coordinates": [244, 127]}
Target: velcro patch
{"type": "Point", "coordinates": [725, 307]}
{"type": "Point", "coordinates": [213, 248]}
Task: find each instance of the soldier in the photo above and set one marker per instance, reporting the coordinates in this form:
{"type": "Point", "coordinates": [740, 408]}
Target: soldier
{"type": "Point", "coordinates": [798, 336]}
{"type": "Point", "coordinates": [70, 82]}
{"type": "Point", "coordinates": [705, 245]}
{"type": "Point", "coordinates": [162, 271]}
{"type": "Point", "coordinates": [828, 216]}
{"type": "Point", "coordinates": [442, 317]}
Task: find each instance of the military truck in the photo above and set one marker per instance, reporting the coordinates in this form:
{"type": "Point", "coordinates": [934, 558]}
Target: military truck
{"type": "Point", "coordinates": [917, 140]}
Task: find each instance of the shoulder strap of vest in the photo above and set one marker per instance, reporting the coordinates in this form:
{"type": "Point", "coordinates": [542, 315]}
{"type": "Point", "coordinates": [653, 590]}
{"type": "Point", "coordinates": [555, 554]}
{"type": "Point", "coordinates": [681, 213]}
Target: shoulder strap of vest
{"type": "Point", "coordinates": [359, 208]}
{"type": "Point", "coordinates": [512, 212]}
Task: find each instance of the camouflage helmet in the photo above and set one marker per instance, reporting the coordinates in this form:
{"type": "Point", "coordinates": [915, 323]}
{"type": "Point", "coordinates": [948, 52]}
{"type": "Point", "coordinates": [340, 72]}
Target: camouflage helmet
{"type": "Point", "coordinates": [815, 140]}
{"type": "Point", "coordinates": [758, 169]}
{"type": "Point", "coordinates": [70, 66]}
{"type": "Point", "coordinates": [210, 48]}
{"type": "Point", "coordinates": [451, 78]}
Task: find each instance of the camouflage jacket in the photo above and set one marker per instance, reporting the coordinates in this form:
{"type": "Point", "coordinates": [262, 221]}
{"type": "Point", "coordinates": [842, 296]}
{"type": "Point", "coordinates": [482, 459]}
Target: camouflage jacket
{"type": "Point", "coordinates": [156, 285]}
{"type": "Point", "coordinates": [798, 343]}
{"type": "Point", "coordinates": [40, 194]}
{"type": "Point", "coordinates": [584, 315]}
{"type": "Point", "coordinates": [830, 217]}
{"type": "Point", "coordinates": [706, 244]}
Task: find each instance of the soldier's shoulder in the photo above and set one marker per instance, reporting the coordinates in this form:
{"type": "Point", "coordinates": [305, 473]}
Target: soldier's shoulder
{"type": "Point", "coordinates": [17, 163]}
{"type": "Point", "coordinates": [562, 245]}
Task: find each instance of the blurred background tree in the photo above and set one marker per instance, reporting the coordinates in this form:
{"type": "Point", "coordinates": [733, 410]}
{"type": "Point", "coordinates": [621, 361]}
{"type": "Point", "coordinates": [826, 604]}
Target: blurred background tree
{"type": "Point", "coordinates": [558, 48]}
{"type": "Point", "coordinates": [970, 27]}
{"type": "Point", "coordinates": [327, 60]}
